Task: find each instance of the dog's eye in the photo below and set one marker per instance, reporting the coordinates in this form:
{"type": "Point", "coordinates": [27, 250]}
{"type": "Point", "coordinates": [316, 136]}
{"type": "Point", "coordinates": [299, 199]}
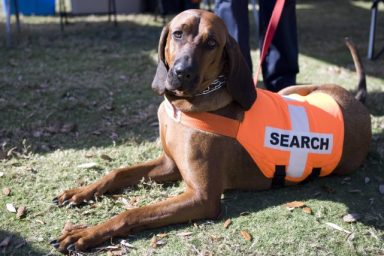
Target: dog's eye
{"type": "Point", "coordinates": [211, 43]}
{"type": "Point", "coordinates": [177, 34]}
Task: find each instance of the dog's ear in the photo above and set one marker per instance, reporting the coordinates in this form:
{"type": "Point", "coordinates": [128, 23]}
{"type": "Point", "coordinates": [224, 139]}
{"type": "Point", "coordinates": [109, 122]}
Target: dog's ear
{"type": "Point", "coordinates": [240, 82]}
{"type": "Point", "coordinates": [158, 83]}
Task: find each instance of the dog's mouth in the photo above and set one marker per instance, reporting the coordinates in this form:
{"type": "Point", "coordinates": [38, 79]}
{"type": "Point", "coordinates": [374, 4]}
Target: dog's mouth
{"type": "Point", "coordinates": [178, 93]}
{"type": "Point", "coordinates": [215, 85]}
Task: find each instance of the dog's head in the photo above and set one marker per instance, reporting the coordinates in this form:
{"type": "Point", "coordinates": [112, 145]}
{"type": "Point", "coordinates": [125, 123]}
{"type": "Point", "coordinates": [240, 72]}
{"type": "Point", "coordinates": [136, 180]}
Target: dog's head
{"type": "Point", "coordinates": [195, 48]}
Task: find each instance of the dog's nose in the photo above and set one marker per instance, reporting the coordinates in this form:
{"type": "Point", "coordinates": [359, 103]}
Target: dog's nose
{"type": "Point", "coordinates": [183, 72]}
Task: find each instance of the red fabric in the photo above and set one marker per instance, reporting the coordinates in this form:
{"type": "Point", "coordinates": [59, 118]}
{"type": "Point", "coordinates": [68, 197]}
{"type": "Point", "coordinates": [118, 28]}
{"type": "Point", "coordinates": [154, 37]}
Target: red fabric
{"type": "Point", "coordinates": [272, 26]}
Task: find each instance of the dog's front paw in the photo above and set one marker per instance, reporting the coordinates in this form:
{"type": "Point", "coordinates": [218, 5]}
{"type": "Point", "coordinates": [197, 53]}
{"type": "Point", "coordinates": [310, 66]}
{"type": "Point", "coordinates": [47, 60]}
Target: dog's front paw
{"type": "Point", "coordinates": [75, 196]}
{"type": "Point", "coordinates": [79, 239]}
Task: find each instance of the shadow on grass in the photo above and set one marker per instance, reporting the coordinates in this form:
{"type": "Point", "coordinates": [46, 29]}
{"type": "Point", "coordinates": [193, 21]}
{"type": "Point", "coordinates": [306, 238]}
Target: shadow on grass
{"type": "Point", "coordinates": [88, 86]}
{"type": "Point", "coordinates": [17, 245]}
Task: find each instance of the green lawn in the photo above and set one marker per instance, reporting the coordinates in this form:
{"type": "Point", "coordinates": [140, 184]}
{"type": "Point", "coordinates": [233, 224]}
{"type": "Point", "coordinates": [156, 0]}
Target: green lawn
{"type": "Point", "coordinates": [68, 98]}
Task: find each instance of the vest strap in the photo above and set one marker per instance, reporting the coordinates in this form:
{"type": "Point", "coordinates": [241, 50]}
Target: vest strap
{"type": "Point", "coordinates": [278, 180]}
{"type": "Point", "coordinates": [204, 121]}
{"type": "Point", "coordinates": [211, 123]}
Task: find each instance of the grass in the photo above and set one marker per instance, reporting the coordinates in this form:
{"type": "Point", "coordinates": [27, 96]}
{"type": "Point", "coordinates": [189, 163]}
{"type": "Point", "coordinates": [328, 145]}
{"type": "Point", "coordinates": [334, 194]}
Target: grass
{"type": "Point", "coordinates": [68, 98]}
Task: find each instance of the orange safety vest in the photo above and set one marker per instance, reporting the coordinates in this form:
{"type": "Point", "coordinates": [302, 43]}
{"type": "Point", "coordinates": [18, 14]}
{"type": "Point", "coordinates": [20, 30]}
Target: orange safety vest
{"type": "Point", "coordinates": [299, 133]}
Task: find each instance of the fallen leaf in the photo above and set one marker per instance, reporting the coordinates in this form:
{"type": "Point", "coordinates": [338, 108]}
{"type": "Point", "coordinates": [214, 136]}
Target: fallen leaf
{"type": "Point", "coordinates": [334, 226]}
{"type": "Point", "coordinates": [69, 127]}
{"type": "Point", "coordinates": [96, 132]}
{"type": "Point", "coordinates": [184, 234]}
{"type": "Point", "coordinates": [227, 223]}
{"type": "Point", "coordinates": [381, 189]}
{"type": "Point", "coordinates": [126, 244]}
{"type": "Point", "coordinates": [154, 242]}
{"type": "Point", "coordinates": [6, 191]}
{"type": "Point", "coordinates": [10, 207]}
{"type": "Point", "coordinates": [117, 252]}
{"type": "Point", "coordinates": [6, 241]}
{"type": "Point", "coordinates": [89, 155]}
{"type": "Point", "coordinates": [162, 235]}
{"type": "Point", "coordinates": [90, 165]}
{"type": "Point", "coordinates": [307, 210]}
{"type": "Point", "coordinates": [161, 242]}
{"type": "Point", "coordinates": [246, 235]}
{"type": "Point", "coordinates": [350, 238]}
{"type": "Point", "coordinates": [106, 157]}
{"type": "Point", "coordinates": [351, 217]}
{"type": "Point", "coordinates": [40, 222]}
{"type": "Point", "coordinates": [11, 151]}
{"type": "Point", "coordinates": [295, 204]}
{"type": "Point", "coordinates": [21, 212]}
{"type": "Point", "coordinates": [215, 237]}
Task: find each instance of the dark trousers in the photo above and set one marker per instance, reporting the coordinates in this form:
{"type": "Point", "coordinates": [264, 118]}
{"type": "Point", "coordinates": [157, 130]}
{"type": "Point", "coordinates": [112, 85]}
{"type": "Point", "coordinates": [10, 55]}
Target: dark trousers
{"type": "Point", "coordinates": [281, 63]}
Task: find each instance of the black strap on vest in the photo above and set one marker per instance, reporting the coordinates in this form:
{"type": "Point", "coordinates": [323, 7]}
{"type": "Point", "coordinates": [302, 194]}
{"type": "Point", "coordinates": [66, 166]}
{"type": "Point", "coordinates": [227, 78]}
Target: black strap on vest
{"type": "Point", "coordinates": [278, 180]}
{"type": "Point", "coordinates": [314, 175]}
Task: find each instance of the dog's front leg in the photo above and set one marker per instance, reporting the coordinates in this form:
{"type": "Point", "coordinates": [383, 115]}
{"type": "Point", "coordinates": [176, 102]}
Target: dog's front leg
{"type": "Point", "coordinates": [191, 205]}
{"type": "Point", "coordinates": [160, 170]}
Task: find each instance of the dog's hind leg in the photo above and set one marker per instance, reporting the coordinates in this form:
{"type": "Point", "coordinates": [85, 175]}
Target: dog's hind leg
{"type": "Point", "coordinates": [162, 169]}
{"type": "Point", "coordinates": [302, 90]}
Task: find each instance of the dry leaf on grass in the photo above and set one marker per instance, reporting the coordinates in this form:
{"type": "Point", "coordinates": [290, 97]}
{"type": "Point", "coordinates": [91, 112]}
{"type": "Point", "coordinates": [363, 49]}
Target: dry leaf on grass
{"type": "Point", "coordinates": [10, 207]}
{"type": "Point", "coordinates": [11, 151]}
{"type": "Point", "coordinates": [90, 165]}
{"type": "Point", "coordinates": [162, 235]}
{"type": "Point", "coordinates": [21, 212]}
{"type": "Point", "coordinates": [351, 217]}
{"type": "Point", "coordinates": [337, 227]}
{"type": "Point", "coordinates": [6, 191]}
{"type": "Point", "coordinates": [40, 222]}
{"type": "Point", "coordinates": [69, 127]}
{"type": "Point", "coordinates": [106, 157]}
{"type": "Point", "coordinates": [154, 242]}
{"type": "Point", "coordinates": [89, 155]}
{"type": "Point", "coordinates": [157, 241]}
{"type": "Point", "coordinates": [126, 244]}
{"type": "Point", "coordinates": [246, 235]}
{"type": "Point", "coordinates": [215, 237]}
{"type": "Point", "coordinates": [184, 234]}
{"type": "Point", "coordinates": [307, 210]}
{"type": "Point", "coordinates": [117, 252]}
{"type": "Point", "coordinates": [227, 223]}
{"type": "Point", "coordinates": [6, 241]}
{"type": "Point", "coordinates": [294, 204]}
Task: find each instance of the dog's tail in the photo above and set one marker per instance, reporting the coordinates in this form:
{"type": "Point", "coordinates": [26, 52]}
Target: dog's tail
{"type": "Point", "coordinates": [362, 85]}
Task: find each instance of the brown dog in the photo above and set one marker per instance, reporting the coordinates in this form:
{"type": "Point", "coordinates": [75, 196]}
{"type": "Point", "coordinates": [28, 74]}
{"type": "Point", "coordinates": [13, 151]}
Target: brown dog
{"type": "Point", "coordinates": [194, 49]}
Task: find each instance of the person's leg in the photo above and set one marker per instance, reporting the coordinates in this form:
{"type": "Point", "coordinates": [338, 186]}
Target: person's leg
{"type": "Point", "coordinates": [235, 15]}
{"type": "Point", "coordinates": [281, 63]}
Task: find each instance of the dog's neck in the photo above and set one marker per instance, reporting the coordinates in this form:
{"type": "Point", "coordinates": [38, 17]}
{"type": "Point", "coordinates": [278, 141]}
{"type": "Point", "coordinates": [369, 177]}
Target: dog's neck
{"type": "Point", "coordinates": [217, 84]}
{"type": "Point", "coordinates": [215, 99]}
